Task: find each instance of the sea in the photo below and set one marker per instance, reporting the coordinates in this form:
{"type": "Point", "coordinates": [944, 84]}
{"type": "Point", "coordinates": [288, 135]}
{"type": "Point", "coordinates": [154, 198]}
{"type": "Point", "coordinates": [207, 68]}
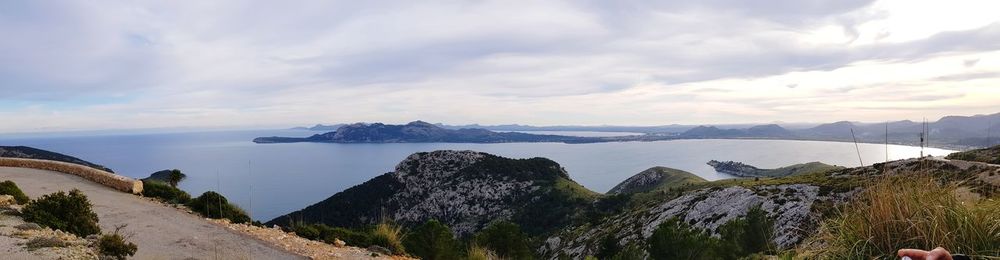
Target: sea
{"type": "Point", "coordinates": [269, 180]}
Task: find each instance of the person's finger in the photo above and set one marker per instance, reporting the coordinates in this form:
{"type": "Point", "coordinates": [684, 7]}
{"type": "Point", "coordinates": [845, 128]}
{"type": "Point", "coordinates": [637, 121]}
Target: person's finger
{"type": "Point", "coordinates": [939, 253]}
{"type": "Point", "coordinates": [915, 254]}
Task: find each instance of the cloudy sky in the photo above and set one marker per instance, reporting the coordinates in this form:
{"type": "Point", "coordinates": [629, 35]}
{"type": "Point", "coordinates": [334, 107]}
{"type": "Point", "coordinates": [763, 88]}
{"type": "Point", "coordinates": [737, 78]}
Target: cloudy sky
{"type": "Point", "coordinates": [85, 65]}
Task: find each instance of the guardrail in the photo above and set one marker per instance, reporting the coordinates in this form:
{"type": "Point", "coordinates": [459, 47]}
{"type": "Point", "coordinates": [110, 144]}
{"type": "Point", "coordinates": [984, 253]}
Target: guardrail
{"type": "Point", "coordinates": [112, 180]}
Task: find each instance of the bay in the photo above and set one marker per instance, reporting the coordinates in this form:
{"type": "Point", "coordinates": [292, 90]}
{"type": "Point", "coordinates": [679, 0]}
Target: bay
{"type": "Point", "coordinates": [274, 179]}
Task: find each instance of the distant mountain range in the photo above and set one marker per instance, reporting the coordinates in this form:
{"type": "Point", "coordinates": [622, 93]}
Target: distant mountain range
{"type": "Point", "coordinates": [420, 132]}
{"type": "Point", "coordinates": [958, 132]}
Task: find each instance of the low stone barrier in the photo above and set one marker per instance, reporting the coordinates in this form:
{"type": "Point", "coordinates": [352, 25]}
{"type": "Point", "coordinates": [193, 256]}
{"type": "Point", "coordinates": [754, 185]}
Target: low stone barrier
{"type": "Point", "coordinates": [112, 180]}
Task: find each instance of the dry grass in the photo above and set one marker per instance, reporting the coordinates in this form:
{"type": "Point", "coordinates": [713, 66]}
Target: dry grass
{"type": "Point", "coordinates": [112, 180]}
{"type": "Point", "coordinates": [389, 236]}
{"type": "Point", "coordinates": [912, 211]}
{"type": "Point", "coordinates": [481, 253]}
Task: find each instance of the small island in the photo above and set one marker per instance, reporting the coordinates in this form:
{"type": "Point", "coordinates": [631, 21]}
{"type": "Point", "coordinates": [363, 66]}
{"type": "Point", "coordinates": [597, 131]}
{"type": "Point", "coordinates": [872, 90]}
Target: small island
{"type": "Point", "coordinates": [740, 169]}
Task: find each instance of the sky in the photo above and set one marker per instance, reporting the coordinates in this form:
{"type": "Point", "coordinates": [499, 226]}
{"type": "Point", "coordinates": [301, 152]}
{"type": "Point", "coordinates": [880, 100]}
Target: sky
{"type": "Point", "coordinates": [93, 65]}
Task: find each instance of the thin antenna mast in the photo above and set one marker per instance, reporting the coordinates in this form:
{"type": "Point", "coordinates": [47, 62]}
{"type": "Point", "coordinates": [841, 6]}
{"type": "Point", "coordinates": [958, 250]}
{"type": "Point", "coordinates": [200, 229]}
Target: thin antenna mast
{"type": "Point", "coordinates": [885, 166]}
{"type": "Point", "coordinates": [856, 148]}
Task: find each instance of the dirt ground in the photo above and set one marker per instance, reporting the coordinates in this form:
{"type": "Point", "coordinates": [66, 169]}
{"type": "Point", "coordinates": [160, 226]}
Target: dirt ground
{"type": "Point", "coordinates": [161, 232]}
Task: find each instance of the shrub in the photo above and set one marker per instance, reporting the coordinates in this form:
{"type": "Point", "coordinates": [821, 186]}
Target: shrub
{"type": "Point", "coordinates": [351, 237]}
{"type": "Point", "coordinates": [213, 205]}
{"type": "Point", "coordinates": [10, 188]}
{"type": "Point", "coordinates": [175, 177]}
{"type": "Point", "coordinates": [164, 192]}
{"type": "Point", "coordinates": [745, 236]}
{"type": "Point", "coordinates": [631, 252]}
{"type": "Point", "coordinates": [67, 212]}
{"type": "Point", "coordinates": [897, 212]}
{"type": "Point", "coordinates": [608, 247]}
{"type": "Point", "coordinates": [482, 253]}
{"type": "Point", "coordinates": [432, 241]}
{"type": "Point", "coordinates": [329, 234]}
{"type": "Point", "coordinates": [506, 239]}
{"type": "Point", "coordinates": [42, 242]}
{"type": "Point", "coordinates": [389, 236]}
{"type": "Point", "coordinates": [675, 239]}
{"type": "Point", "coordinates": [116, 245]}
{"type": "Point", "coordinates": [306, 231]}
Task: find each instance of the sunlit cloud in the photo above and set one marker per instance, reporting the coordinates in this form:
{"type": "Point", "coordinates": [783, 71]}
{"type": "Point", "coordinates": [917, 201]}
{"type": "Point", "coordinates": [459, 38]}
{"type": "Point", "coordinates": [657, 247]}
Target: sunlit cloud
{"type": "Point", "coordinates": [119, 65]}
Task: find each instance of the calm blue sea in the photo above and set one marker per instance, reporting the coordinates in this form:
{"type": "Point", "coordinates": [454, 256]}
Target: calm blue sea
{"type": "Point", "coordinates": [274, 179]}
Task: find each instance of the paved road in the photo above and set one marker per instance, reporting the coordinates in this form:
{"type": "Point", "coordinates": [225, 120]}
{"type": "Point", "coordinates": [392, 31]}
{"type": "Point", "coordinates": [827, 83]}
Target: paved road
{"type": "Point", "coordinates": [161, 232]}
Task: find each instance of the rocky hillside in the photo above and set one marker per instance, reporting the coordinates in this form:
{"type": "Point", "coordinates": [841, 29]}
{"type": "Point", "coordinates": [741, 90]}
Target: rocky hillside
{"type": "Point", "coordinates": [797, 204]}
{"type": "Point", "coordinates": [745, 170]}
{"type": "Point", "coordinates": [467, 190]}
{"type": "Point", "coordinates": [986, 155]}
{"type": "Point", "coordinates": [656, 178]}
{"type": "Point", "coordinates": [34, 153]}
{"type": "Point", "coordinates": [464, 189]}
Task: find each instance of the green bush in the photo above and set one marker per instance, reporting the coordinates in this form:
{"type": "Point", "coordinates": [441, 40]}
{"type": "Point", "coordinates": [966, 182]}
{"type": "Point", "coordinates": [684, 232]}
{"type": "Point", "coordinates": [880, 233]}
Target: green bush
{"type": "Point", "coordinates": [9, 188]}
{"type": "Point", "coordinates": [351, 237]}
{"type": "Point", "coordinates": [738, 238]}
{"type": "Point", "coordinates": [213, 205]}
{"type": "Point", "coordinates": [389, 236]}
{"type": "Point", "coordinates": [116, 245]}
{"type": "Point", "coordinates": [432, 241]}
{"type": "Point", "coordinates": [608, 247]}
{"type": "Point", "coordinates": [175, 177]}
{"type": "Point", "coordinates": [631, 252]}
{"type": "Point", "coordinates": [329, 234]}
{"type": "Point", "coordinates": [675, 239]}
{"type": "Point", "coordinates": [751, 234]}
{"type": "Point", "coordinates": [164, 192]}
{"type": "Point", "coordinates": [67, 212]}
{"type": "Point", "coordinates": [306, 231]}
{"type": "Point", "coordinates": [506, 239]}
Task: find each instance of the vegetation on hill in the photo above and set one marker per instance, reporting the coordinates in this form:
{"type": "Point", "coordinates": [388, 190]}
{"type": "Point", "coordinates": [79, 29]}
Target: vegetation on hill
{"type": "Point", "coordinates": [172, 177]}
{"type": "Point", "coordinates": [506, 240]}
{"type": "Point", "coordinates": [164, 192]}
{"type": "Point", "coordinates": [986, 155]}
{"type": "Point", "coordinates": [213, 205]}
{"type": "Point", "coordinates": [669, 209]}
{"type": "Point", "coordinates": [741, 237]}
{"type": "Point", "coordinates": [432, 241]}
{"type": "Point", "coordinates": [536, 193]}
{"type": "Point", "coordinates": [654, 179]}
{"type": "Point", "coordinates": [745, 170]}
{"type": "Point", "coordinates": [33, 153]}
{"type": "Point", "coordinates": [10, 188]}
{"type": "Point", "coordinates": [915, 211]}
{"type": "Point", "coordinates": [389, 236]}
{"type": "Point", "coordinates": [67, 212]}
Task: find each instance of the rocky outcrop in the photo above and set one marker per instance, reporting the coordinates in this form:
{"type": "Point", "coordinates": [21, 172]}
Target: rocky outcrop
{"type": "Point", "coordinates": [792, 206]}
{"type": "Point", "coordinates": [464, 189]}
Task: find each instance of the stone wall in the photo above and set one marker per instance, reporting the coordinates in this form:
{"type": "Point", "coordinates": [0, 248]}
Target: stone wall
{"type": "Point", "coordinates": [112, 180]}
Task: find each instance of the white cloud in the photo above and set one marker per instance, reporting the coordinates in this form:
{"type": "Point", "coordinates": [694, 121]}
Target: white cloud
{"type": "Point", "coordinates": [113, 64]}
